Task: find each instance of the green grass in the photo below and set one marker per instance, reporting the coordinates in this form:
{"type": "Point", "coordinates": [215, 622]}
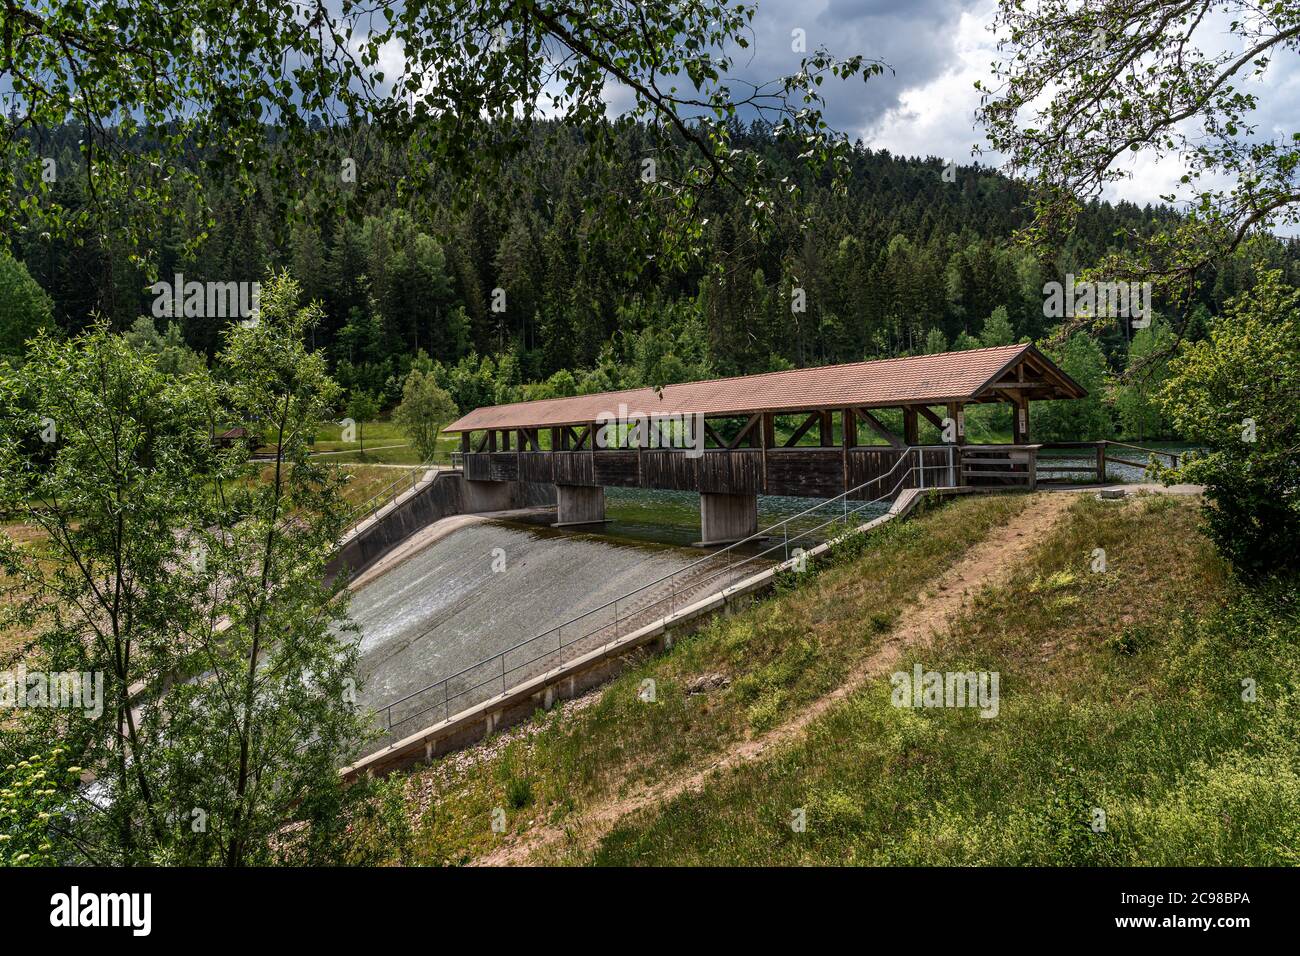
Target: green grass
{"type": "Point", "coordinates": [1120, 692]}
{"type": "Point", "coordinates": [780, 654]}
{"type": "Point", "coordinates": [366, 481]}
{"type": "Point", "coordinates": [377, 435]}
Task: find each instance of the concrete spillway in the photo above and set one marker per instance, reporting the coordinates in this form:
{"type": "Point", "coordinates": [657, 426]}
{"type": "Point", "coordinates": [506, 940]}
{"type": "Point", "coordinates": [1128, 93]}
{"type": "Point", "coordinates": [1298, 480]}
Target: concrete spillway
{"type": "Point", "coordinates": [447, 608]}
{"type": "Point", "coordinates": [490, 584]}
{"type": "Point", "coordinates": [485, 588]}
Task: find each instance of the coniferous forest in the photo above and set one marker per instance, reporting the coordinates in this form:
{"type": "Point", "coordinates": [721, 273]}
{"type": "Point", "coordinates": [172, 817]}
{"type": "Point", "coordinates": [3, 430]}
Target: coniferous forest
{"type": "Point", "coordinates": [522, 295]}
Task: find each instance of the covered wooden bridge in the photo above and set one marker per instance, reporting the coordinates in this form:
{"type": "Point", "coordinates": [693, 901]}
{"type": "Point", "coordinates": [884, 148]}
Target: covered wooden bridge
{"type": "Point", "coordinates": [817, 432]}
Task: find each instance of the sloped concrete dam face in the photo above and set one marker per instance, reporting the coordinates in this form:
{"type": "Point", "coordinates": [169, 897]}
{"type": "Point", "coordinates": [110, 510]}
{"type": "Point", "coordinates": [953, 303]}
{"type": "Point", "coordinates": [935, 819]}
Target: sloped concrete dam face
{"type": "Point", "coordinates": [488, 587]}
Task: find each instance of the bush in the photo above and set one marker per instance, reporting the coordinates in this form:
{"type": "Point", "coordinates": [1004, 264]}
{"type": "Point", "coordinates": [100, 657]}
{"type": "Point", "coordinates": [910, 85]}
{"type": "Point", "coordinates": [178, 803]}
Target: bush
{"type": "Point", "coordinates": [519, 792]}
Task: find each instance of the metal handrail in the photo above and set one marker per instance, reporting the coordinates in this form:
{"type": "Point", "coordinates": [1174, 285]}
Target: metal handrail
{"type": "Point", "coordinates": [671, 597]}
{"type": "Point", "coordinates": [373, 504]}
{"type": "Point", "coordinates": [381, 499]}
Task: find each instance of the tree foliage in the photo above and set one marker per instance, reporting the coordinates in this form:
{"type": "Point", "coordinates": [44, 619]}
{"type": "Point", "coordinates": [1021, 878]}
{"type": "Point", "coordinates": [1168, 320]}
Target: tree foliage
{"type": "Point", "coordinates": [1237, 393]}
{"type": "Point", "coordinates": [1087, 418]}
{"type": "Point", "coordinates": [1135, 398]}
{"type": "Point", "coordinates": [1084, 86]}
{"type": "Point", "coordinates": [363, 407]}
{"type": "Point", "coordinates": [424, 409]}
{"type": "Point", "coordinates": [191, 578]}
{"type": "Point", "coordinates": [25, 309]}
{"type": "Point", "coordinates": [277, 91]}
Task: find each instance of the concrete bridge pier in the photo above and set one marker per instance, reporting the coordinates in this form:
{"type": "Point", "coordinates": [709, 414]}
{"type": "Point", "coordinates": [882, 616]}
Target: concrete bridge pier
{"type": "Point", "coordinates": [488, 496]}
{"type": "Point", "coordinates": [727, 518]}
{"type": "Point", "coordinates": [579, 504]}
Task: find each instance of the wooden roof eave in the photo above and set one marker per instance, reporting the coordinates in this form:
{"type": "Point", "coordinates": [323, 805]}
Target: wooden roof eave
{"type": "Point", "coordinates": [1057, 379]}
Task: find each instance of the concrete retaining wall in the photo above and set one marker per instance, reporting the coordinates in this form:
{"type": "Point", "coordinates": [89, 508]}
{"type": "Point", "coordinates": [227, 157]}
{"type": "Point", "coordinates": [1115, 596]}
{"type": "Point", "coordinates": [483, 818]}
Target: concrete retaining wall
{"type": "Point", "coordinates": [447, 494]}
{"type": "Point", "coordinates": [578, 504]}
{"type": "Point", "coordinates": [727, 518]}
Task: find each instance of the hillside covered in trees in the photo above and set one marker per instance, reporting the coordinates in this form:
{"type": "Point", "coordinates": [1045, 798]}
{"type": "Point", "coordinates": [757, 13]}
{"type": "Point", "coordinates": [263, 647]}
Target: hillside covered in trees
{"type": "Point", "coordinates": [526, 294]}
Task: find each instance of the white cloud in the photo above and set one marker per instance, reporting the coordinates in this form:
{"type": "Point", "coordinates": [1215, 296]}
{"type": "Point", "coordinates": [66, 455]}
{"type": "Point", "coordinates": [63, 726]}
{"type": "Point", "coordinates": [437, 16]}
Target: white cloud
{"type": "Point", "coordinates": [937, 117]}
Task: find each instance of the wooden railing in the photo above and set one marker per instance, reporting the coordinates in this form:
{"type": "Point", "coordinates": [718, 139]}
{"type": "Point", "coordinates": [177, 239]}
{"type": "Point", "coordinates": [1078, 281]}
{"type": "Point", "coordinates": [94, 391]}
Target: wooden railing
{"type": "Point", "coordinates": [999, 465]}
{"type": "Point", "coordinates": [802, 471]}
{"type": "Point", "coordinates": [1099, 452]}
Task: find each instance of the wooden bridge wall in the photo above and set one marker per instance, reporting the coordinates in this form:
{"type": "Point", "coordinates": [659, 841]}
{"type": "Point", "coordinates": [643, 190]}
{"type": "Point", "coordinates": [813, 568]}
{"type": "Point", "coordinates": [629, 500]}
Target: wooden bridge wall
{"type": "Point", "coordinates": [799, 472]}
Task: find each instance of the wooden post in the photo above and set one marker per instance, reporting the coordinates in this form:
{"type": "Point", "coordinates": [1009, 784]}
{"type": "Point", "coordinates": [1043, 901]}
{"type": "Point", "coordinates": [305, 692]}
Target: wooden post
{"type": "Point", "coordinates": [848, 439]}
{"type": "Point", "coordinates": [766, 439]}
{"type": "Point", "coordinates": [1020, 421]}
{"type": "Point", "coordinates": [1101, 462]}
{"type": "Point", "coordinates": [492, 440]}
{"type": "Point", "coordinates": [826, 438]}
{"type": "Point", "coordinates": [464, 442]}
{"type": "Point", "coordinates": [911, 429]}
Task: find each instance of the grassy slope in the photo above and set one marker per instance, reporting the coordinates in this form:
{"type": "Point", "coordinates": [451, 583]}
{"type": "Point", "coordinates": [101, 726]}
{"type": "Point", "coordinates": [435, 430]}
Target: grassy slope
{"type": "Point", "coordinates": [780, 654]}
{"type": "Point", "coordinates": [1120, 691]}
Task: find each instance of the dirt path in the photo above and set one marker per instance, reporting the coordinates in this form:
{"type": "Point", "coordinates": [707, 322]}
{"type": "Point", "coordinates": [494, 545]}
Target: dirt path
{"type": "Point", "coordinates": [988, 562]}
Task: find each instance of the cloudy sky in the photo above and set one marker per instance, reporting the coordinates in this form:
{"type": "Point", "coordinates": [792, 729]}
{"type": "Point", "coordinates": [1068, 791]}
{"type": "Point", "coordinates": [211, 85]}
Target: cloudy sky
{"type": "Point", "coordinates": [938, 49]}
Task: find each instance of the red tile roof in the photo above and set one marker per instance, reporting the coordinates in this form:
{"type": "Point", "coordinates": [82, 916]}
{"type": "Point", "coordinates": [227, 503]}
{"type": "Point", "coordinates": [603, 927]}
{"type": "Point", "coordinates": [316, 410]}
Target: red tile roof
{"type": "Point", "coordinates": [912, 380]}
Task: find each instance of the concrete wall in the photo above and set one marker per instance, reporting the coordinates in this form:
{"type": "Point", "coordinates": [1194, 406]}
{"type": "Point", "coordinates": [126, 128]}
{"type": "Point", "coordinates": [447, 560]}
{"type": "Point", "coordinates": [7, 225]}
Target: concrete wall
{"type": "Point", "coordinates": [448, 494]}
{"type": "Point", "coordinates": [726, 518]}
{"type": "Point", "coordinates": [481, 496]}
{"type": "Point", "coordinates": [576, 504]}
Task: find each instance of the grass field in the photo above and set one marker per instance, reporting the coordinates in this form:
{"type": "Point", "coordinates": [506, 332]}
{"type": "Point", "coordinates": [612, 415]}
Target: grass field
{"type": "Point", "coordinates": [1122, 737]}
{"type": "Point", "coordinates": [385, 443]}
